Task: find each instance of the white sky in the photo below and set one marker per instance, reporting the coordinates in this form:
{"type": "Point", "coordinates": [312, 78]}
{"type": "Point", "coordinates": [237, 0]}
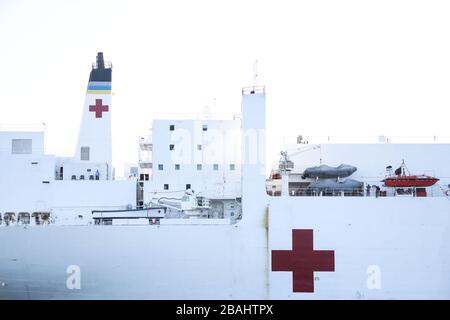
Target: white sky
{"type": "Point", "coordinates": [330, 67]}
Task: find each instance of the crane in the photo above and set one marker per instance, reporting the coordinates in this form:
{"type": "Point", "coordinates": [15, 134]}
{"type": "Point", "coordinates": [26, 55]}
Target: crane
{"type": "Point", "coordinates": [286, 165]}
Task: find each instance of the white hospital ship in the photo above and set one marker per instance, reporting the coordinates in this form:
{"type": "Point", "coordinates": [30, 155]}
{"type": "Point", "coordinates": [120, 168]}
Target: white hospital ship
{"type": "Point", "coordinates": [198, 218]}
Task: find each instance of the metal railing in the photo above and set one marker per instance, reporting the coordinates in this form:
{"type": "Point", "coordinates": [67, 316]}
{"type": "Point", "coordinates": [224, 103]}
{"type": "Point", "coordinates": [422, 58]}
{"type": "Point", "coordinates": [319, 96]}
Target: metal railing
{"type": "Point", "coordinates": [313, 192]}
{"type": "Point", "coordinates": [253, 90]}
{"type": "Point", "coordinates": [27, 127]}
{"type": "Point", "coordinates": [369, 139]}
{"type": "Point", "coordinates": [194, 116]}
{"type": "Point", "coordinates": [310, 192]}
{"type": "Point", "coordinates": [107, 65]}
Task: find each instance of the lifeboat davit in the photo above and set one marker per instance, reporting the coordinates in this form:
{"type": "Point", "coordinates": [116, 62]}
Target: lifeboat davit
{"type": "Point", "coordinates": [410, 181]}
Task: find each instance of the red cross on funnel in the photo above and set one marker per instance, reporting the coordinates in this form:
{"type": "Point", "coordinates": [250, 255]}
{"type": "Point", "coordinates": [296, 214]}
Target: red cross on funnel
{"type": "Point", "coordinates": [302, 260]}
{"type": "Point", "coordinates": [98, 108]}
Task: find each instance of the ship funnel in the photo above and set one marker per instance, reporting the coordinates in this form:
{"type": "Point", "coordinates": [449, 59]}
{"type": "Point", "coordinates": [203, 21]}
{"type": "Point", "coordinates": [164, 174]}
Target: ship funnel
{"type": "Point", "coordinates": [94, 141]}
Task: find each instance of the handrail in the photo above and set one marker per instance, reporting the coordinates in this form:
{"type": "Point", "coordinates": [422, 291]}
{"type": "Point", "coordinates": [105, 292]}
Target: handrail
{"type": "Point", "coordinates": [369, 139]}
{"type": "Point", "coordinates": [28, 127]}
{"type": "Point", "coordinates": [107, 65]}
{"type": "Point", "coordinates": [194, 116]}
{"type": "Point", "coordinates": [253, 90]}
{"type": "Point", "coordinates": [350, 192]}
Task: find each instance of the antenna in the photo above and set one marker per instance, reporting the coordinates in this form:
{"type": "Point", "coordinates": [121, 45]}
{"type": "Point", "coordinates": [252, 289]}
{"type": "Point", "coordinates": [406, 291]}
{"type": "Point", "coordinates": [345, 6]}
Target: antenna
{"type": "Point", "coordinates": [255, 73]}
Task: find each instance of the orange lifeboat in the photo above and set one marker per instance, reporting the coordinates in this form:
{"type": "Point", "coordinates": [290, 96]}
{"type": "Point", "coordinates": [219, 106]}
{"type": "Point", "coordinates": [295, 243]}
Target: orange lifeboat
{"type": "Point", "coordinates": [401, 180]}
{"type": "Point", "coordinates": [410, 181]}
{"type": "Point", "coordinates": [275, 175]}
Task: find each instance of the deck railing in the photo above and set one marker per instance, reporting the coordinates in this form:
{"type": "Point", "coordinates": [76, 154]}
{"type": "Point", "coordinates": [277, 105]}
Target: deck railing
{"type": "Point", "coordinates": [311, 192]}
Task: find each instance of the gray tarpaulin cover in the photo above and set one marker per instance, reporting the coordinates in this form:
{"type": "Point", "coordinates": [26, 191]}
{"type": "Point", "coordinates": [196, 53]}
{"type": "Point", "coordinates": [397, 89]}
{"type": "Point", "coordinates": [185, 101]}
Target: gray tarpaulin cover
{"type": "Point", "coordinates": [331, 184]}
{"type": "Point", "coordinates": [324, 171]}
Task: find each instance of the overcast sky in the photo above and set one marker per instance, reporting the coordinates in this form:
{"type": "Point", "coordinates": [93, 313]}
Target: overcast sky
{"type": "Point", "coordinates": [329, 67]}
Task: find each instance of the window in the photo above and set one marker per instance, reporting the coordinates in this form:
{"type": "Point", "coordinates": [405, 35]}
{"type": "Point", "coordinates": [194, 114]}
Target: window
{"type": "Point", "coordinates": [166, 186]}
{"type": "Point", "coordinates": [199, 147]}
{"type": "Point", "coordinates": [24, 217]}
{"type": "Point", "coordinates": [205, 127]}
{"type": "Point", "coordinates": [21, 146]}
{"type": "Point", "coordinates": [188, 186]}
{"type": "Point", "coordinates": [232, 167]}
{"type": "Point", "coordinates": [215, 166]}
{"type": "Point", "coordinates": [199, 167]}
{"type": "Point", "coordinates": [84, 153]}
{"type": "Point", "coordinates": [160, 167]}
{"type": "Point", "coordinates": [177, 167]}
{"type": "Point", "coordinates": [172, 127]}
{"type": "Point", "coordinates": [106, 222]}
{"type": "Point", "coordinates": [171, 147]}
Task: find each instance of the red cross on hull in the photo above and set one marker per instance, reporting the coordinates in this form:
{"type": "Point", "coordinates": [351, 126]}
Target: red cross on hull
{"type": "Point", "coordinates": [98, 108]}
{"type": "Point", "coordinates": [302, 260]}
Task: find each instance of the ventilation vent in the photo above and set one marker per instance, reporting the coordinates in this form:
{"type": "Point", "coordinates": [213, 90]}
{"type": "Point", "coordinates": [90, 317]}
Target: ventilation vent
{"type": "Point", "coordinates": [22, 146]}
{"type": "Point", "coordinates": [84, 153]}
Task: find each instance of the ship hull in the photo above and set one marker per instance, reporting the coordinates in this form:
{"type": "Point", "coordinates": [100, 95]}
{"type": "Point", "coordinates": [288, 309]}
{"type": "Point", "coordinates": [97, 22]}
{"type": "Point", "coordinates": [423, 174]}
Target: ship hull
{"type": "Point", "coordinates": [406, 239]}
